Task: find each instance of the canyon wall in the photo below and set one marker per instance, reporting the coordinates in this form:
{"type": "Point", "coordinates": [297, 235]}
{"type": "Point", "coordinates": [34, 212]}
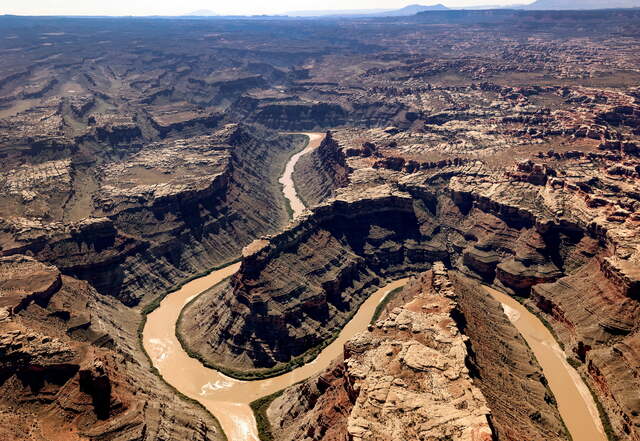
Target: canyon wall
{"type": "Point", "coordinates": [297, 288]}
{"type": "Point", "coordinates": [504, 368]}
{"type": "Point", "coordinates": [296, 115]}
{"type": "Point", "coordinates": [319, 271]}
{"type": "Point", "coordinates": [595, 313]}
{"type": "Point", "coordinates": [532, 235]}
{"type": "Point", "coordinates": [71, 365]}
{"type": "Point", "coordinates": [148, 233]}
{"type": "Point", "coordinates": [376, 391]}
{"type": "Point", "coordinates": [318, 174]}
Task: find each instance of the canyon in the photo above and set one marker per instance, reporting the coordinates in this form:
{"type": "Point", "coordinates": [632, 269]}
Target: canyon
{"type": "Point", "coordinates": [248, 228]}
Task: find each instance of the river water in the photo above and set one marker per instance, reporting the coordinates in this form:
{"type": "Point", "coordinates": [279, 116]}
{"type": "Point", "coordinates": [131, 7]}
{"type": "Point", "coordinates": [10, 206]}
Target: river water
{"type": "Point", "coordinates": [575, 403]}
{"type": "Point", "coordinates": [227, 398]}
{"type": "Point", "coordinates": [288, 188]}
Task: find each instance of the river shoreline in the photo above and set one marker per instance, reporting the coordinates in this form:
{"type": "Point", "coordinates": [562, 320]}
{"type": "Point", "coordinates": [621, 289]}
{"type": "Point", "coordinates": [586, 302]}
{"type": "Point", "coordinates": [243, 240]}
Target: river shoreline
{"type": "Point", "coordinates": [295, 204]}
{"type": "Point", "coordinates": [575, 403]}
{"type": "Point", "coordinates": [228, 399]}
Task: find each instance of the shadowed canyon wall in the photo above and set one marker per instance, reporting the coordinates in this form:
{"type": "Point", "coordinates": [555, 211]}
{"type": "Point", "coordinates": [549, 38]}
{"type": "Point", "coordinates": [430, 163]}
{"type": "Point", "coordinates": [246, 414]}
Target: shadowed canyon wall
{"type": "Point", "coordinates": [148, 238]}
{"type": "Point", "coordinates": [319, 173]}
{"type": "Point", "coordinates": [296, 288]}
{"type": "Point", "coordinates": [71, 365]}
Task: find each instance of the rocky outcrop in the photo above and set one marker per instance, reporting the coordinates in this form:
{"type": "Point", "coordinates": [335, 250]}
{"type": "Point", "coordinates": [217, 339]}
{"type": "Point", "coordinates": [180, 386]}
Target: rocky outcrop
{"type": "Point", "coordinates": [70, 364]}
{"type": "Point", "coordinates": [321, 172]}
{"type": "Point", "coordinates": [322, 267]}
{"type": "Point", "coordinates": [404, 379]}
{"type": "Point", "coordinates": [299, 115]}
{"type": "Point", "coordinates": [429, 393]}
{"type": "Point", "coordinates": [529, 266]}
{"type": "Point", "coordinates": [297, 288]}
{"type": "Point", "coordinates": [170, 120]}
{"type": "Point", "coordinates": [317, 408]}
{"type": "Point", "coordinates": [116, 129]}
{"type": "Point", "coordinates": [24, 281]}
{"type": "Point", "coordinates": [291, 116]}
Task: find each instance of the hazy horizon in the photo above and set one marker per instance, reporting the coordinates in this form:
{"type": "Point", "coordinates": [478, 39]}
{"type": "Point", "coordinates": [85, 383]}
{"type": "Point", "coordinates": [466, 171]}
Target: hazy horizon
{"type": "Point", "coordinates": [246, 7]}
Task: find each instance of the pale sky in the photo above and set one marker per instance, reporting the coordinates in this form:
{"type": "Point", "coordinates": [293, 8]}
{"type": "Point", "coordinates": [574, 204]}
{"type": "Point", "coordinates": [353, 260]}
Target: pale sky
{"type": "Point", "coordinates": [240, 7]}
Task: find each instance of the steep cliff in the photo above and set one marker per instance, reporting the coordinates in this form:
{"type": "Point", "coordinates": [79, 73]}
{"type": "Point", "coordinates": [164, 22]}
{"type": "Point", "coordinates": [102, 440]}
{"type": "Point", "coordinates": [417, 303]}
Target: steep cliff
{"type": "Point", "coordinates": [595, 313]}
{"type": "Point", "coordinates": [71, 367]}
{"type": "Point", "coordinates": [174, 209]}
{"type": "Point", "coordinates": [319, 173]}
{"type": "Point", "coordinates": [558, 235]}
{"type": "Point", "coordinates": [522, 407]}
{"type": "Point", "coordinates": [295, 114]}
{"type": "Point", "coordinates": [374, 392]}
{"type": "Point", "coordinates": [296, 288]}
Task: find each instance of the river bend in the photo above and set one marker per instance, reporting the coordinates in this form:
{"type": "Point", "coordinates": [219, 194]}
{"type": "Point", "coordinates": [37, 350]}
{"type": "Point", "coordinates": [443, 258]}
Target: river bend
{"type": "Point", "coordinates": [228, 399]}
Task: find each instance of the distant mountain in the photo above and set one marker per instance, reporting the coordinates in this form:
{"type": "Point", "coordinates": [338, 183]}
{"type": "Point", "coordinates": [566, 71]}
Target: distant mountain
{"type": "Point", "coordinates": [201, 13]}
{"type": "Point", "coordinates": [582, 4]}
{"type": "Point", "coordinates": [410, 10]}
{"type": "Point", "coordinates": [519, 5]}
{"type": "Point", "coordinates": [406, 11]}
{"type": "Point", "coordinates": [332, 12]}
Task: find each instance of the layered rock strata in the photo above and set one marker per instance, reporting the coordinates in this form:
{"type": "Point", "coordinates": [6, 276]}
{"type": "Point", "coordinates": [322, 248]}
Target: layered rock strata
{"type": "Point", "coordinates": [431, 394]}
{"type": "Point", "coordinates": [70, 367]}
{"type": "Point", "coordinates": [171, 210]}
{"type": "Point", "coordinates": [515, 134]}
{"type": "Point", "coordinates": [408, 377]}
{"type": "Point", "coordinates": [296, 289]}
{"type": "Point", "coordinates": [321, 172]}
{"type": "Point", "coordinates": [595, 315]}
{"type": "Point", "coordinates": [318, 270]}
{"type": "Point", "coordinates": [293, 114]}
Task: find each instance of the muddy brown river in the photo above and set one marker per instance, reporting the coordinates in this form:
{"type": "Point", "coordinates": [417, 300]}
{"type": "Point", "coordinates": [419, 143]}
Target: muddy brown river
{"type": "Point", "coordinates": [227, 398]}
{"type": "Point", "coordinates": [288, 187]}
{"type": "Point", "coordinates": [575, 403]}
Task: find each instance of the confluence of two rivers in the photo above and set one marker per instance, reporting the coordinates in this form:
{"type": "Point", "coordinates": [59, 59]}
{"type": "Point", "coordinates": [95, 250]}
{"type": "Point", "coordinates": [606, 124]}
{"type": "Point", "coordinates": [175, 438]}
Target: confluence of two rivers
{"type": "Point", "coordinates": [228, 399]}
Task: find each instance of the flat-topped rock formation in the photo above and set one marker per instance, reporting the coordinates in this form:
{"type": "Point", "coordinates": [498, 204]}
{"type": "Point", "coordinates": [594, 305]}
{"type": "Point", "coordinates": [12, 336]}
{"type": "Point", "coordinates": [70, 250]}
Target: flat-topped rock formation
{"type": "Point", "coordinates": [24, 281]}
